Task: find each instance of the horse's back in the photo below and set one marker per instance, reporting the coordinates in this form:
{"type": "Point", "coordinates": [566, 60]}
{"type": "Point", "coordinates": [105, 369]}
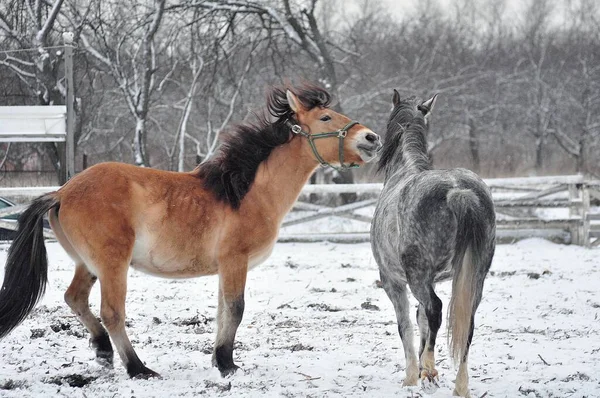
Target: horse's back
{"type": "Point", "coordinates": [110, 193]}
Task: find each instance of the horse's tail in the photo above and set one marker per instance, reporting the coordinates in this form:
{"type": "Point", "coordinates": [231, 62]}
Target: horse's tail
{"type": "Point", "coordinates": [467, 259]}
{"type": "Point", "coordinates": [26, 271]}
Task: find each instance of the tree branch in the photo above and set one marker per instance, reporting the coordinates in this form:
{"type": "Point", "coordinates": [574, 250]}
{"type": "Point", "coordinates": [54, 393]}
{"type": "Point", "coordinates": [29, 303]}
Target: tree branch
{"type": "Point", "coordinates": [43, 33]}
{"type": "Point", "coordinates": [18, 70]}
{"type": "Point", "coordinates": [90, 49]}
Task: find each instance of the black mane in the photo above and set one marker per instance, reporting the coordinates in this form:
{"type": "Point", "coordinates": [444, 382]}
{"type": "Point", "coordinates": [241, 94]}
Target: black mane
{"type": "Point", "coordinates": [405, 140]}
{"type": "Point", "coordinates": [230, 173]}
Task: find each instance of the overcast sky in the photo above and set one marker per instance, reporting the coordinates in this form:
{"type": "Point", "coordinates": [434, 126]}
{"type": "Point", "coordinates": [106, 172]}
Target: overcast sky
{"type": "Point", "coordinates": [513, 13]}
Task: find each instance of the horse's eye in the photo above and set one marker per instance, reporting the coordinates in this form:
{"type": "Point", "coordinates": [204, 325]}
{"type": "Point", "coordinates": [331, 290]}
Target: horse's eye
{"type": "Point", "coordinates": [325, 118]}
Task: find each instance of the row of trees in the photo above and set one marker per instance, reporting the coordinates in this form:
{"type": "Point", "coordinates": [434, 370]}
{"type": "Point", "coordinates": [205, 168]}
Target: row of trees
{"type": "Point", "coordinates": [158, 81]}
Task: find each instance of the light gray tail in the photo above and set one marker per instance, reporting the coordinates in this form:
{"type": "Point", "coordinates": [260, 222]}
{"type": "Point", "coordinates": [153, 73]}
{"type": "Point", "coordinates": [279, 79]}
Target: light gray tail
{"type": "Point", "coordinates": [468, 257]}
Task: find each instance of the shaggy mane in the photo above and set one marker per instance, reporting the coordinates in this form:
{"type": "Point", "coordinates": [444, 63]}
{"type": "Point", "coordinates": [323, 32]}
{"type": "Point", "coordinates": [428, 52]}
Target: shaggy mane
{"type": "Point", "coordinates": [229, 174]}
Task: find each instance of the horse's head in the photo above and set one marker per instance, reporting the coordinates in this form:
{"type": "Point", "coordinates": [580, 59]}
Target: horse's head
{"type": "Point", "coordinates": [333, 139]}
{"type": "Point", "coordinates": [407, 130]}
{"type": "Point", "coordinates": [409, 111]}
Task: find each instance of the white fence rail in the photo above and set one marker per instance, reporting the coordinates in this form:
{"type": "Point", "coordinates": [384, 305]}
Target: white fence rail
{"type": "Point", "coordinates": [556, 207]}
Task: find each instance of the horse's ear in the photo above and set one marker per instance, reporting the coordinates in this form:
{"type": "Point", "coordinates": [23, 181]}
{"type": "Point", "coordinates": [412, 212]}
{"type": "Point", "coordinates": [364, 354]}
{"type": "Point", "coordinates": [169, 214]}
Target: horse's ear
{"type": "Point", "coordinates": [396, 98]}
{"type": "Point", "coordinates": [427, 106]}
{"type": "Point", "coordinates": [293, 101]}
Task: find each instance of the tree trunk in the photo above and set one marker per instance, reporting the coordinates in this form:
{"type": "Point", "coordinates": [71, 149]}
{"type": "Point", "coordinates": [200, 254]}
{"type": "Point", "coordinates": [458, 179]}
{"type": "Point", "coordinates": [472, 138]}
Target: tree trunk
{"type": "Point", "coordinates": [50, 95]}
{"type": "Point", "coordinates": [580, 165]}
{"type": "Point", "coordinates": [181, 161]}
{"type": "Point", "coordinates": [474, 145]}
{"type": "Point", "coordinates": [539, 149]}
{"type": "Point", "coordinates": [139, 147]}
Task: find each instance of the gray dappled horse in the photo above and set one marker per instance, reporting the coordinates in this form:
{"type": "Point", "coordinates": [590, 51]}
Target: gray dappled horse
{"type": "Point", "coordinates": [429, 226]}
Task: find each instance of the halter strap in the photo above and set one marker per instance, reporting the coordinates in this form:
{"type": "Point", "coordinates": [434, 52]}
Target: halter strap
{"type": "Point", "coordinates": [340, 134]}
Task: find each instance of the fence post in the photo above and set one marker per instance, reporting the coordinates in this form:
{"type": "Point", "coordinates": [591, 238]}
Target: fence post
{"type": "Point", "coordinates": [576, 230]}
{"type": "Point", "coordinates": [585, 209]}
{"type": "Point", "coordinates": [573, 196]}
{"type": "Point", "coordinates": [70, 143]}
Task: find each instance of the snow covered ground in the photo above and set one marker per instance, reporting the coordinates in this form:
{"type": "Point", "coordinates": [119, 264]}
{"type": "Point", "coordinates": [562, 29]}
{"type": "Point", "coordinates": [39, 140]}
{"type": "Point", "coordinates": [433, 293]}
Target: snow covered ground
{"type": "Point", "coordinates": [317, 325]}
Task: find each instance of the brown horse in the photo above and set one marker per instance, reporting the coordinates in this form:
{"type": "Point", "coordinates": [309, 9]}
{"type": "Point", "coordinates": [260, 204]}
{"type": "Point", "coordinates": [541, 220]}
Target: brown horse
{"type": "Point", "coordinates": [222, 218]}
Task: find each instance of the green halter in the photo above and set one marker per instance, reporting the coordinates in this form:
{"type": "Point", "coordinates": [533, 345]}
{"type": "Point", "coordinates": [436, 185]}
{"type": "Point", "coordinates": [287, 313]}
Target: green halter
{"type": "Point", "coordinates": [340, 134]}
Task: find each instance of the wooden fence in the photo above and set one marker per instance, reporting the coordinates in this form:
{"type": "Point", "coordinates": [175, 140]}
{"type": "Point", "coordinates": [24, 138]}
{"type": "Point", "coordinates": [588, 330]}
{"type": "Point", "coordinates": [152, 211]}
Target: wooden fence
{"type": "Point", "coordinates": [559, 208]}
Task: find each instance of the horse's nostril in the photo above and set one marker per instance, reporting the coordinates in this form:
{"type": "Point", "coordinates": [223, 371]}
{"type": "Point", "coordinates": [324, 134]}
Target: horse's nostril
{"type": "Point", "coordinates": [371, 137]}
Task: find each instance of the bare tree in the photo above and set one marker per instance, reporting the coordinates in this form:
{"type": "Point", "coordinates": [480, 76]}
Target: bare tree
{"type": "Point", "coordinates": [298, 24]}
{"type": "Point", "coordinates": [154, 76]}
{"type": "Point", "coordinates": [575, 136]}
{"type": "Point", "coordinates": [28, 25]}
{"type": "Point", "coordinates": [219, 100]}
{"type": "Point", "coordinates": [126, 46]}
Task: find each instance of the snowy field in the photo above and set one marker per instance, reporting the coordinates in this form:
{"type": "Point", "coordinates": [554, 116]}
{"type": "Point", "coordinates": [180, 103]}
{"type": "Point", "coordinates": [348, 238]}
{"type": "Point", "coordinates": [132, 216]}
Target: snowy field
{"type": "Point", "coordinates": [317, 325]}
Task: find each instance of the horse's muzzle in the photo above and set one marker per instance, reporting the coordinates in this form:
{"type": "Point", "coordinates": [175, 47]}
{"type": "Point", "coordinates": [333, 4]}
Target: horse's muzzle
{"type": "Point", "coordinates": [368, 146]}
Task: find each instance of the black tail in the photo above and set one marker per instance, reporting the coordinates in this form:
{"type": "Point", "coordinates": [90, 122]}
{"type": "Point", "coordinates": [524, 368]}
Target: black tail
{"type": "Point", "coordinates": [472, 255]}
{"type": "Point", "coordinates": [26, 271]}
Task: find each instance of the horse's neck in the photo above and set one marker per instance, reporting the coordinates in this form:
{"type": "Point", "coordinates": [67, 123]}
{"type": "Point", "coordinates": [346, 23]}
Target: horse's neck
{"type": "Point", "coordinates": [411, 157]}
{"type": "Point", "coordinates": [414, 150]}
{"type": "Point", "coordinates": [280, 178]}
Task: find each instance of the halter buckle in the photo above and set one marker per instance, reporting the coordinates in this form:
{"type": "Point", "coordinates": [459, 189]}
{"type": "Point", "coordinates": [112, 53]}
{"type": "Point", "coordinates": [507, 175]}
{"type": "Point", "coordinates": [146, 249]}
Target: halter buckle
{"type": "Point", "coordinates": [296, 129]}
{"type": "Point", "coordinates": [342, 133]}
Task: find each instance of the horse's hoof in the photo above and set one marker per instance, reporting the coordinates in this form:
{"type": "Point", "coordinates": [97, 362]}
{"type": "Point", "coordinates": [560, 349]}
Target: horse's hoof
{"type": "Point", "coordinates": [429, 386]}
{"type": "Point", "coordinates": [429, 374]}
{"type": "Point", "coordinates": [145, 374]}
{"type": "Point", "coordinates": [429, 382]}
{"type": "Point", "coordinates": [105, 358]}
{"type": "Point", "coordinates": [228, 371]}
{"type": "Point", "coordinates": [459, 394]}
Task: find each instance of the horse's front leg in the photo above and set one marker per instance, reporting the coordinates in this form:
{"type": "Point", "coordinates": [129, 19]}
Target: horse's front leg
{"type": "Point", "coordinates": [232, 281]}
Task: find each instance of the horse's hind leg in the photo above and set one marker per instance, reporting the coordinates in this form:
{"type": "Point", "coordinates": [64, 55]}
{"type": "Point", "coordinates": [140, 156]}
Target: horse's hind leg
{"type": "Point", "coordinates": [432, 305]}
{"type": "Point", "coordinates": [418, 272]}
{"type": "Point", "coordinates": [397, 292]}
{"type": "Point", "coordinates": [113, 287]}
{"type": "Point", "coordinates": [77, 296]}
{"type": "Point", "coordinates": [78, 293]}
{"type": "Point", "coordinates": [232, 282]}
{"type": "Point", "coordinates": [423, 328]}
